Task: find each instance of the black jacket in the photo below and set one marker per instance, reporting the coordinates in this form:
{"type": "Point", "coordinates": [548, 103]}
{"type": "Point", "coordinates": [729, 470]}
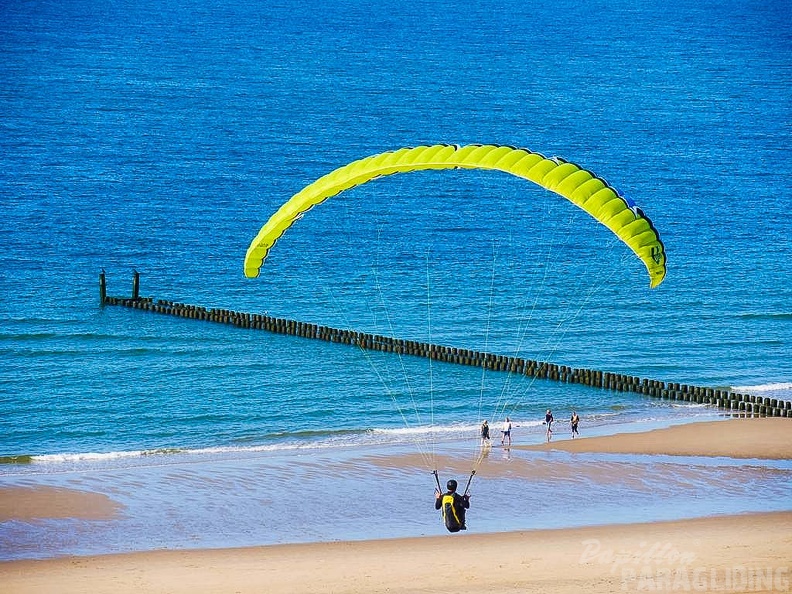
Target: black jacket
{"type": "Point", "coordinates": [453, 505]}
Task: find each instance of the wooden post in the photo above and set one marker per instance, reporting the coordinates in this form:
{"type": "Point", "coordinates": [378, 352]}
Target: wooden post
{"type": "Point", "coordinates": [102, 288]}
{"type": "Point", "coordinates": [135, 285]}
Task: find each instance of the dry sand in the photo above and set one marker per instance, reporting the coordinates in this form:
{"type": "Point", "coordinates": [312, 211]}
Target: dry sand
{"type": "Point", "coordinates": [768, 438]}
{"type": "Point", "coordinates": [750, 553]}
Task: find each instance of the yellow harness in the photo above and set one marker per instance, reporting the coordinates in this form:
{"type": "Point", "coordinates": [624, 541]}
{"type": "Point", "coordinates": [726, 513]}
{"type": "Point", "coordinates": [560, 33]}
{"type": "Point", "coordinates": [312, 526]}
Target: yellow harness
{"type": "Point", "coordinates": [449, 509]}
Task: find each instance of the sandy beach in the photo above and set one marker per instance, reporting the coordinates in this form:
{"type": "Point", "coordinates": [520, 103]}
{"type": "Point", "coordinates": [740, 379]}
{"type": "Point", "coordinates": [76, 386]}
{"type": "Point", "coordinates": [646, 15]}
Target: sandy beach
{"type": "Point", "coordinates": [768, 438]}
{"type": "Point", "coordinates": [18, 503]}
{"type": "Point", "coordinates": [739, 438]}
{"type": "Point", "coordinates": [749, 552]}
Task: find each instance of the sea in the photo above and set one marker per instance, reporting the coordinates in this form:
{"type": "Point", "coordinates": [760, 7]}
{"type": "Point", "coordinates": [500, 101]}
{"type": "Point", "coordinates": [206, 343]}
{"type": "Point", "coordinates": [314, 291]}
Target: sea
{"type": "Point", "coordinates": [157, 138]}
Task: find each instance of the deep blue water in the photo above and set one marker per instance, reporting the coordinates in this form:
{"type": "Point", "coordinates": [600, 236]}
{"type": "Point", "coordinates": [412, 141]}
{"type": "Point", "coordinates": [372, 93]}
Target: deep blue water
{"type": "Point", "coordinates": [160, 137]}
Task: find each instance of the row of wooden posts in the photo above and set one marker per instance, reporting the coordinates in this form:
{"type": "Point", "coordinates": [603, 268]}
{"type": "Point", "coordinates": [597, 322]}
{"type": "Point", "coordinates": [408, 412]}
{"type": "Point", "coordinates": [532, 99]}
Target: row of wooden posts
{"type": "Point", "coordinates": [737, 403]}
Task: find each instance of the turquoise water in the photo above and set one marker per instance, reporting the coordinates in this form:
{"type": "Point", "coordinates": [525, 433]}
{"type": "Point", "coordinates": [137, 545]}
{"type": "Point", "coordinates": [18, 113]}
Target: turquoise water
{"type": "Point", "coordinates": [160, 139]}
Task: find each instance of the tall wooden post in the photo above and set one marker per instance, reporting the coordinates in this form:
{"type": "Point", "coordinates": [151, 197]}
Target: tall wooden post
{"type": "Point", "coordinates": [102, 288]}
{"type": "Point", "coordinates": [135, 285]}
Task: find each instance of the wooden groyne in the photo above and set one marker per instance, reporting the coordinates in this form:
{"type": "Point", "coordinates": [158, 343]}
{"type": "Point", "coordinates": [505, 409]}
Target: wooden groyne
{"type": "Point", "coordinates": [736, 403]}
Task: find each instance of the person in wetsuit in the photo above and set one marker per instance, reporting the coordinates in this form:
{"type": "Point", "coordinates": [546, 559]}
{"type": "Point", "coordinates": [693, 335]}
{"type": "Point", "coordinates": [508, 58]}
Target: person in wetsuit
{"type": "Point", "coordinates": [453, 506]}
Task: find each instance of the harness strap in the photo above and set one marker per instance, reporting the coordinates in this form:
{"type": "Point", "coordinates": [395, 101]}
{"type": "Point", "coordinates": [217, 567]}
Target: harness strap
{"type": "Point", "coordinates": [448, 503]}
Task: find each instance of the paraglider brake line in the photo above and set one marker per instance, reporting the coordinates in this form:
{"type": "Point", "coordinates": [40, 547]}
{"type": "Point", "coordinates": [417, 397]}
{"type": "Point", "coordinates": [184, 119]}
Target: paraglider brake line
{"type": "Point", "coordinates": [467, 487]}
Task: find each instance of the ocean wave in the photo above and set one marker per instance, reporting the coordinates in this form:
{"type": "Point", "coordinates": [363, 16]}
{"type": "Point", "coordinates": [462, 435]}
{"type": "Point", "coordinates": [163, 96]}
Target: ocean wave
{"type": "Point", "coordinates": [282, 442]}
{"type": "Point", "coordinates": [23, 459]}
{"type": "Point", "coordinates": [779, 389]}
{"type": "Point", "coordinates": [329, 439]}
{"type": "Point", "coordinates": [419, 436]}
{"type": "Point", "coordinates": [783, 315]}
{"type": "Point", "coordinates": [76, 352]}
{"type": "Point", "coordinates": [29, 336]}
{"type": "Point", "coordinates": [88, 456]}
{"type": "Point", "coordinates": [78, 336]}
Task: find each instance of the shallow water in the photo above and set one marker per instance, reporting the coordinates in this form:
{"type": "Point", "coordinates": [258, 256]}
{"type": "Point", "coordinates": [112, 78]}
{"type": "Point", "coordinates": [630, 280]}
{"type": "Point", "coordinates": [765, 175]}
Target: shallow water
{"type": "Point", "coordinates": [352, 494]}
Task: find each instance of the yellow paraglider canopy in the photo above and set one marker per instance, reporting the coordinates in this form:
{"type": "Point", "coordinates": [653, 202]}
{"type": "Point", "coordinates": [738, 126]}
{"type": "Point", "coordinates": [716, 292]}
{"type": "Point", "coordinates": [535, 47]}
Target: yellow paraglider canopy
{"type": "Point", "coordinates": [581, 187]}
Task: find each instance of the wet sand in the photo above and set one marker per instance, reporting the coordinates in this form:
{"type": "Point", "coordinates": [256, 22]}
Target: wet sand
{"type": "Point", "coordinates": [743, 553]}
{"type": "Point", "coordinates": [22, 503]}
{"type": "Point", "coordinates": [750, 552]}
{"type": "Point", "coordinates": [739, 438]}
{"type": "Point", "coordinates": [766, 438]}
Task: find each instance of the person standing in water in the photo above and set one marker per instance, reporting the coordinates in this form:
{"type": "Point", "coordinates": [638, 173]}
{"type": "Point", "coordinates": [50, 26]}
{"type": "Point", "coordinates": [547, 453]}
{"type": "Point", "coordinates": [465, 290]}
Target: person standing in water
{"type": "Point", "coordinates": [507, 427]}
{"type": "Point", "coordinates": [549, 423]}
{"type": "Point", "coordinates": [485, 434]}
{"type": "Point", "coordinates": [574, 423]}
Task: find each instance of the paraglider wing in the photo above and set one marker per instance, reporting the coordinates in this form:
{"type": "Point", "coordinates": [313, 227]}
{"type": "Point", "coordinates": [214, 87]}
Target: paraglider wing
{"type": "Point", "coordinates": [581, 187]}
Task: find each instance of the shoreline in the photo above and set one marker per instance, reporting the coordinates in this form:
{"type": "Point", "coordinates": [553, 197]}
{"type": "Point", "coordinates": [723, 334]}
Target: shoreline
{"type": "Point", "coordinates": [748, 552]}
{"type": "Point", "coordinates": [670, 485]}
{"type": "Point", "coordinates": [766, 438]}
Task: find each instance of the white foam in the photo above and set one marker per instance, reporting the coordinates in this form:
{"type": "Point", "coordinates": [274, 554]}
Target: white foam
{"type": "Point", "coordinates": [86, 456]}
{"type": "Point", "coordinates": [375, 436]}
{"type": "Point", "coordinates": [780, 389]}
